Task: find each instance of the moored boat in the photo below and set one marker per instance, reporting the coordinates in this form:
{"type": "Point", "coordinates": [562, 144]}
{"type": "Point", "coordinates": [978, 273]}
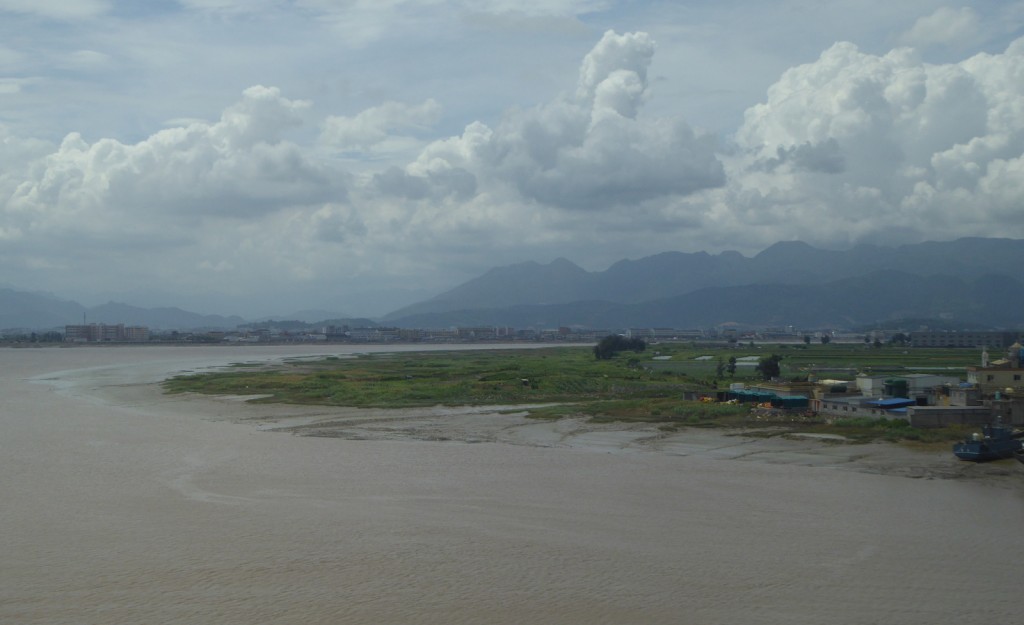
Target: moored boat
{"type": "Point", "coordinates": [993, 443]}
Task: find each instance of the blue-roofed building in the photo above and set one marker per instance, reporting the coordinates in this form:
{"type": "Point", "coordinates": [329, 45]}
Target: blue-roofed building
{"type": "Point", "coordinates": [891, 403]}
{"type": "Point", "coordinates": [850, 406]}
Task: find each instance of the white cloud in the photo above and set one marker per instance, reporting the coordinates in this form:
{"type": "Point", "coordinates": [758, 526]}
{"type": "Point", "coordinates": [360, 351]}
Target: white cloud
{"type": "Point", "coordinates": [239, 166]}
{"type": "Point", "coordinates": [857, 146]}
{"type": "Point", "coordinates": [375, 126]}
{"type": "Point", "coordinates": [946, 26]}
{"type": "Point", "coordinates": [591, 151]}
{"type": "Point", "coordinates": [620, 55]}
{"type": "Point", "coordinates": [538, 154]}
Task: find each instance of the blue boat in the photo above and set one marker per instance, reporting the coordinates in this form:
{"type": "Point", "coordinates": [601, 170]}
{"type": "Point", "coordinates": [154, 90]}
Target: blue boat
{"type": "Point", "coordinates": [995, 442]}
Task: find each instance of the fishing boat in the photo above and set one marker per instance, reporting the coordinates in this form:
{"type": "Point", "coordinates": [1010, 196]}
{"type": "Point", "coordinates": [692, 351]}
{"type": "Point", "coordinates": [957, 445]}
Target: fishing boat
{"type": "Point", "coordinates": [995, 441]}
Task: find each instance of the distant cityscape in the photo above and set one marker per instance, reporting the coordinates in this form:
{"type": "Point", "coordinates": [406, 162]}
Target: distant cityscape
{"type": "Point", "coordinates": [101, 333]}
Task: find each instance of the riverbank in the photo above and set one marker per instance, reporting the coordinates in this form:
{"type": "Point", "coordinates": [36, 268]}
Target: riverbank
{"type": "Point", "coordinates": [511, 425]}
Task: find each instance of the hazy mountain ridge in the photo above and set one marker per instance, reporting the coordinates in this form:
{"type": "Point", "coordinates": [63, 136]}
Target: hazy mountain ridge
{"type": "Point", "coordinates": [671, 274]}
{"type": "Point", "coordinates": [528, 283]}
{"type": "Point", "coordinates": [844, 303]}
{"type": "Point", "coordinates": [159, 318]}
{"type": "Point", "coordinates": [788, 283]}
{"type": "Point", "coordinates": [21, 309]}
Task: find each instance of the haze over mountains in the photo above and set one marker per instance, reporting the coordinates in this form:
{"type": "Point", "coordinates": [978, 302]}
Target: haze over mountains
{"type": "Point", "coordinates": [970, 281]}
{"type": "Point", "coordinates": [40, 311]}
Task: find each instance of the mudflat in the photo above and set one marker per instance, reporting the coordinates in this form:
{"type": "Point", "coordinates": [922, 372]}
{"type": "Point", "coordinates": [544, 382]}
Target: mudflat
{"type": "Point", "coordinates": [125, 505]}
{"type": "Point", "coordinates": [511, 425]}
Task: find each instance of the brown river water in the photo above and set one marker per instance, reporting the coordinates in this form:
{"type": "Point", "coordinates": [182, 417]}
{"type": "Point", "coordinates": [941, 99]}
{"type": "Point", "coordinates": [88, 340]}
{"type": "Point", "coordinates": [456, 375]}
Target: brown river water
{"type": "Point", "coordinates": [121, 505]}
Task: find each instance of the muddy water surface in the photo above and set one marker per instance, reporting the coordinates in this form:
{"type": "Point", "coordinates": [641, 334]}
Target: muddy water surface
{"type": "Point", "coordinates": [119, 505]}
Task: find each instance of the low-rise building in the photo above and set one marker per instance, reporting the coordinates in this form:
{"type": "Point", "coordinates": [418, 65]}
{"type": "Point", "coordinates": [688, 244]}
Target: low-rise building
{"type": "Point", "coordinates": [998, 376]}
{"type": "Point", "coordinates": [991, 340]}
{"type": "Point", "coordinates": [104, 333]}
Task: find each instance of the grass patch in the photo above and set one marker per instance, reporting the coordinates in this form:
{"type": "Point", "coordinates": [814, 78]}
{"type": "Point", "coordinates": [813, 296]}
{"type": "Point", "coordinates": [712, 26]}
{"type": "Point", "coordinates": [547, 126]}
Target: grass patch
{"type": "Point", "coordinates": [447, 378]}
{"type": "Point", "coordinates": [643, 387]}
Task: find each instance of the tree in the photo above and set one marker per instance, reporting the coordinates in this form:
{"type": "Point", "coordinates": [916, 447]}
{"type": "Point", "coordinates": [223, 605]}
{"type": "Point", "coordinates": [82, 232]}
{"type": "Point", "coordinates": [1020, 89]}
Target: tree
{"type": "Point", "coordinates": [769, 367]}
{"type": "Point", "coordinates": [613, 344]}
{"type": "Point", "coordinates": [825, 339]}
{"type": "Point", "coordinates": [807, 339]}
{"type": "Point", "coordinates": [731, 368]}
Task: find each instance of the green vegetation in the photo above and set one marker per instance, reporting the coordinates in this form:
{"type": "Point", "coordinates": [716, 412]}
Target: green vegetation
{"type": "Point", "coordinates": [769, 366]}
{"type": "Point", "coordinates": [450, 378]}
{"type": "Point", "coordinates": [800, 361]}
{"type": "Point", "coordinates": [612, 344]}
{"type": "Point", "coordinates": [646, 386]}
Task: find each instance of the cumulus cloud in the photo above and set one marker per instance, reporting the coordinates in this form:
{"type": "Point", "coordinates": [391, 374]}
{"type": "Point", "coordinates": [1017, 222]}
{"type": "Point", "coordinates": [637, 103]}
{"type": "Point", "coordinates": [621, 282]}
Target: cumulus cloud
{"type": "Point", "coordinates": [623, 56]}
{"type": "Point", "coordinates": [592, 150]}
{"type": "Point", "coordinates": [238, 166]}
{"type": "Point", "coordinates": [441, 183]}
{"type": "Point", "coordinates": [946, 26]}
{"type": "Point", "coordinates": [822, 157]}
{"type": "Point", "coordinates": [377, 128]}
{"type": "Point", "coordinates": [851, 147]}
{"type": "Point", "coordinates": [336, 223]}
{"type": "Point", "coordinates": [857, 146]}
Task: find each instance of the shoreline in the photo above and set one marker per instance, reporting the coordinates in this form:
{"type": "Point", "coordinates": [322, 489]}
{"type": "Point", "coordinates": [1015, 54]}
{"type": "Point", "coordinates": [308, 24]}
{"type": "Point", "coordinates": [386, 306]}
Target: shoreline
{"type": "Point", "coordinates": [510, 425]}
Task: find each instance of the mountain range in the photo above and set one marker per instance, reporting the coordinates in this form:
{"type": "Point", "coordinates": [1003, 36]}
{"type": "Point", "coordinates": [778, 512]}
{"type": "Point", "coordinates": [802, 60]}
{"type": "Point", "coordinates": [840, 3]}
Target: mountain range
{"type": "Point", "coordinates": [41, 311]}
{"type": "Point", "coordinates": [969, 282]}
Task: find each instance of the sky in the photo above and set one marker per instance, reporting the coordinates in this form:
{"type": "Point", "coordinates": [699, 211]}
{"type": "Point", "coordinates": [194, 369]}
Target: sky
{"type": "Point", "coordinates": [260, 157]}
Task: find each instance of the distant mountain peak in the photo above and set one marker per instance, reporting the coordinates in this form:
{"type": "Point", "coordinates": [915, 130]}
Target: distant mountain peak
{"type": "Point", "coordinates": [787, 248]}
